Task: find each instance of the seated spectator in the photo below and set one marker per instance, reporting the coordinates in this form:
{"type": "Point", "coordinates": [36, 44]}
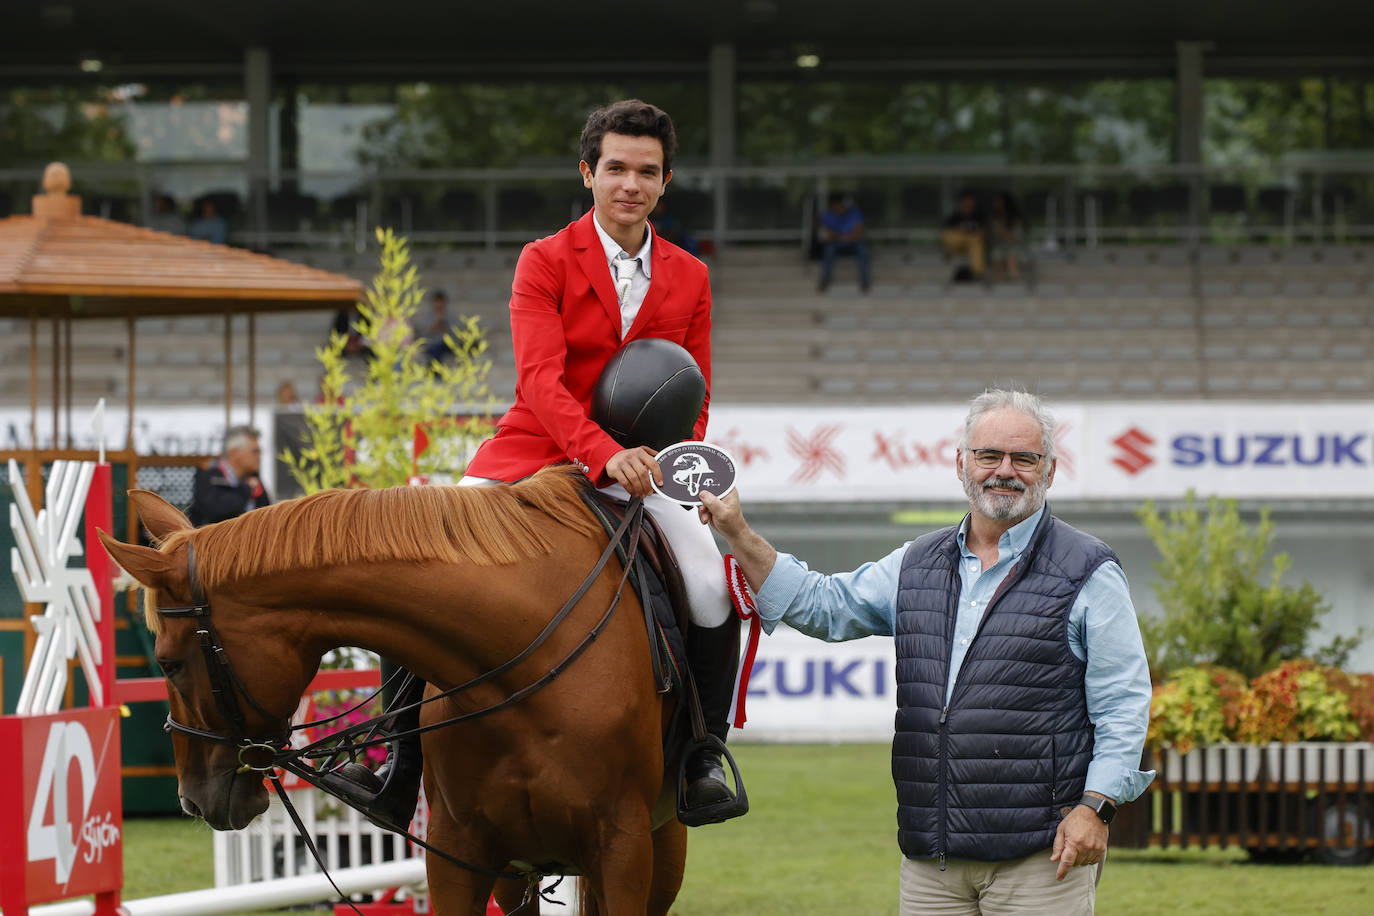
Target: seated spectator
{"type": "Point", "coordinates": [439, 324]}
{"type": "Point", "coordinates": [670, 227]}
{"type": "Point", "coordinates": [1006, 236]}
{"type": "Point", "coordinates": [209, 226]}
{"type": "Point", "coordinates": [346, 323]}
{"type": "Point", "coordinates": [166, 217]}
{"type": "Point", "coordinates": [840, 230]}
{"type": "Point", "coordinates": [287, 399]}
{"type": "Point", "coordinates": [966, 233]}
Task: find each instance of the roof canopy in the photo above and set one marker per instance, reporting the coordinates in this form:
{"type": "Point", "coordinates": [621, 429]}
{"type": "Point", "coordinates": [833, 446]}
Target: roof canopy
{"type": "Point", "coordinates": [60, 262]}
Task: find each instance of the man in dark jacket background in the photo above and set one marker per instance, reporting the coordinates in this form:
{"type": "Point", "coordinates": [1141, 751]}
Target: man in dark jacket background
{"type": "Point", "coordinates": [1023, 692]}
{"type": "Point", "coordinates": [230, 486]}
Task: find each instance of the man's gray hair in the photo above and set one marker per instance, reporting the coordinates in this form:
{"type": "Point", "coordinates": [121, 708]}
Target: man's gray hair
{"type": "Point", "coordinates": [239, 436]}
{"type": "Point", "coordinates": [1006, 399]}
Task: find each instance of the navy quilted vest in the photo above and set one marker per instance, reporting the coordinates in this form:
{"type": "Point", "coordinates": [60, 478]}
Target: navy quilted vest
{"type": "Point", "coordinates": [986, 779]}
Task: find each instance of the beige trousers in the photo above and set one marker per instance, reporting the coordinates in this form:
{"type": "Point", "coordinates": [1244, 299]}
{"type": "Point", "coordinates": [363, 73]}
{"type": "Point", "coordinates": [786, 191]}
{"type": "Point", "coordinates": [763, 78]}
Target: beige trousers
{"type": "Point", "coordinates": [973, 244]}
{"type": "Point", "coordinates": [1021, 887]}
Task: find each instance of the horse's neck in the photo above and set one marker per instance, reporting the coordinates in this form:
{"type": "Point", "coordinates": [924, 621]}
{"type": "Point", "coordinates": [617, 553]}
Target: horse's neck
{"type": "Point", "coordinates": [426, 618]}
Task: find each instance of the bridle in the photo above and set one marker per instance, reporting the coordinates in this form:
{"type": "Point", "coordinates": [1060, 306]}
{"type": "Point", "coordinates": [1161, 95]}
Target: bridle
{"type": "Point", "coordinates": [266, 754]}
{"type": "Point", "coordinates": [259, 754]}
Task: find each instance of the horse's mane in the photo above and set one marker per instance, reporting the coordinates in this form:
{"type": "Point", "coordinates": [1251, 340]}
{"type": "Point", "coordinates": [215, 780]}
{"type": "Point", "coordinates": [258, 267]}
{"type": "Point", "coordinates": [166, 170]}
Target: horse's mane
{"type": "Point", "coordinates": [485, 526]}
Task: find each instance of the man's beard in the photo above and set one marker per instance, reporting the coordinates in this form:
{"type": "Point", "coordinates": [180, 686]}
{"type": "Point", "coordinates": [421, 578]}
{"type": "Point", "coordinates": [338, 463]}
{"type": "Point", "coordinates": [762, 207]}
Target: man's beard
{"type": "Point", "coordinates": [1005, 506]}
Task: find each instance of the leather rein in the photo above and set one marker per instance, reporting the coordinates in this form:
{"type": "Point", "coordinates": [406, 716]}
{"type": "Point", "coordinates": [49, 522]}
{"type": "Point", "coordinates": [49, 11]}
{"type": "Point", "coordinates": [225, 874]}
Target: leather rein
{"type": "Point", "coordinates": [270, 752]}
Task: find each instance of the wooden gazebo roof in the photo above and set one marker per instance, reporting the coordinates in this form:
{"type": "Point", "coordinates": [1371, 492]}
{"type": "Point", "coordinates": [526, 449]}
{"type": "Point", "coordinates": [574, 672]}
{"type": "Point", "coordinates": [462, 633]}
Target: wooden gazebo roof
{"type": "Point", "coordinates": [66, 264]}
{"type": "Point", "coordinates": [59, 266]}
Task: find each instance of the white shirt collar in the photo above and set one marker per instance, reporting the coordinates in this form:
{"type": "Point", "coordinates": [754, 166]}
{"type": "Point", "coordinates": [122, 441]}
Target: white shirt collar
{"type": "Point", "coordinates": [612, 249]}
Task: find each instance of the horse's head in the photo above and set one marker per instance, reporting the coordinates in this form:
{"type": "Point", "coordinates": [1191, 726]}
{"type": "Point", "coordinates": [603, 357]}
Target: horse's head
{"type": "Point", "coordinates": [213, 780]}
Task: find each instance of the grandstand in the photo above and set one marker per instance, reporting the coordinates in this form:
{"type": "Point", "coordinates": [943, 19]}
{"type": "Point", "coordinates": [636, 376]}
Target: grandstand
{"type": "Point", "coordinates": [1138, 322]}
{"type": "Point", "coordinates": [1169, 270]}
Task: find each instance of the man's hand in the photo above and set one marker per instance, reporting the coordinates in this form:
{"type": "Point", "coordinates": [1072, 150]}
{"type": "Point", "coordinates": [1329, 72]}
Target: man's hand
{"type": "Point", "coordinates": [723, 514]}
{"type": "Point", "coordinates": [754, 555]}
{"type": "Point", "coordinates": [634, 469]}
{"type": "Point", "coordinates": [1081, 840]}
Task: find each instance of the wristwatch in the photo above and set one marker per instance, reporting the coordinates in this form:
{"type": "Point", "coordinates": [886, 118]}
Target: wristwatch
{"type": "Point", "coordinates": [1105, 807]}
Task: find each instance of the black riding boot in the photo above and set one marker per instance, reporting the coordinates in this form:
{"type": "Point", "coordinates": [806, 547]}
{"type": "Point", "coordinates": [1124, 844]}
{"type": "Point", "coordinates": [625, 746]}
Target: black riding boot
{"type": "Point", "coordinates": [388, 796]}
{"type": "Point", "coordinates": [713, 654]}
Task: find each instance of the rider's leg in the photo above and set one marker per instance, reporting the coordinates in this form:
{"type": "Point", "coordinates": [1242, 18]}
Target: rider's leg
{"type": "Point", "coordinates": [712, 642]}
{"type": "Point", "coordinates": [389, 795]}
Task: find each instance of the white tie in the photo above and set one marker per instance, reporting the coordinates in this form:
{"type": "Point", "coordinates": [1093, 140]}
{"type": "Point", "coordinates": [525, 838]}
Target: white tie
{"type": "Point", "coordinates": [625, 267]}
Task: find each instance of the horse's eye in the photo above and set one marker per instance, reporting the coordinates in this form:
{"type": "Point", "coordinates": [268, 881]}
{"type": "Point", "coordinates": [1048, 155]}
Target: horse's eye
{"type": "Point", "coordinates": [169, 667]}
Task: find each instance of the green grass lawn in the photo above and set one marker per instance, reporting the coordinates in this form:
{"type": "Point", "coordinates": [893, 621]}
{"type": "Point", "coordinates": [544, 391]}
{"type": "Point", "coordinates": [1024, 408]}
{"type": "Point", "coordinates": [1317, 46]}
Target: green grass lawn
{"type": "Point", "coordinates": [820, 839]}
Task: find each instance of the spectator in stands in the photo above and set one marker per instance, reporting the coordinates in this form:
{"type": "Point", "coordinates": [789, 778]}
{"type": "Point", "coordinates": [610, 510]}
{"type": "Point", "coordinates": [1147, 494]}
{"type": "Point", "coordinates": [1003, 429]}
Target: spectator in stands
{"type": "Point", "coordinates": [1023, 694]}
{"type": "Point", "coordinates": [286, 396]}
{"type": "Point", "coordinates": [433, 331]}
{"type": "Point", "coordinates": [966, 233]}
{"type": "Point", "coordinates": [166, 217]}
{"type": "Point", "coordinates": [840, 230]}
{"type": "Point", "coordinates": [670, 227]}
{"type": "Point", "coordinates": [346, 323]}
{"type": "Point", "coordinates": [1006, 236]}
{"type": "Point", "coordinates": [209, 226]}
{"type": "Point", "coordinates": [230, 486]}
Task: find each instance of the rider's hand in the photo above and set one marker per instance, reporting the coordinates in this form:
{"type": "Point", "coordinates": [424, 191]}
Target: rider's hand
{"type": "Point", "coordinates": [633, 469]}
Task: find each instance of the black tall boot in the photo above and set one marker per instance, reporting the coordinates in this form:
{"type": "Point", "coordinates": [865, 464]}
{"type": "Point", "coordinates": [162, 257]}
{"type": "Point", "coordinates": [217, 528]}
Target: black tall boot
{"type": "Point", "coordinates": [388, 796]}
{"type": "Point", "coordinates": [713, 654]}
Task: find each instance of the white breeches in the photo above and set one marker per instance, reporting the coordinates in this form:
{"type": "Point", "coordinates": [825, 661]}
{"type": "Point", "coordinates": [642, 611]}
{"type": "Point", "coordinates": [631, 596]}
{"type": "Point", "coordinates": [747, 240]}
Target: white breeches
{"type": "Point", "coordinates": [703, 570]}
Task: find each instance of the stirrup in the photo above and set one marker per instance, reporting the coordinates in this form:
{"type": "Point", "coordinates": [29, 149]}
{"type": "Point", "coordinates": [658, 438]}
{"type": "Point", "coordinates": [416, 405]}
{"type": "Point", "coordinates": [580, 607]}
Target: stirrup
{"type": "Point", "coordinates": [719, 811]}
{"type": "Point", "coordinates": [389, 804]}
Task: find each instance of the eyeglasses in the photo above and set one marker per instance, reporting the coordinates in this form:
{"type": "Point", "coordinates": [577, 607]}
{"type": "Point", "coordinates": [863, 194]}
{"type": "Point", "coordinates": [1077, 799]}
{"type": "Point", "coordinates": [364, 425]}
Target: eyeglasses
{"type": "Point", "coordinates": [992, 458]}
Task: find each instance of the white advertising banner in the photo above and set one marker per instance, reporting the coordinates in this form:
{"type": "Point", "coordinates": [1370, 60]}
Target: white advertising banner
{"type": "Point", "coordinates": [803, 689]}
{"type": "Point", "coordinates": [157, 431]}
{"type": "Point", "coordinates": [1113, 451]}
{"type": "Point", "coordinates": [1130, 450]}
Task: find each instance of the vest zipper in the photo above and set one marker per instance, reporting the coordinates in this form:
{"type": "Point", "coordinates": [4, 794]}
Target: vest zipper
{"type": "Point", "coordinates": [944, 801]}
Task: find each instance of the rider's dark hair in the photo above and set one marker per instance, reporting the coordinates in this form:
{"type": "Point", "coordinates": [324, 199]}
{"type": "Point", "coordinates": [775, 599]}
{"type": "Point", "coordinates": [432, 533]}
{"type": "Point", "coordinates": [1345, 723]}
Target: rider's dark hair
{"type": "Point", "coordinates": [631, 117]}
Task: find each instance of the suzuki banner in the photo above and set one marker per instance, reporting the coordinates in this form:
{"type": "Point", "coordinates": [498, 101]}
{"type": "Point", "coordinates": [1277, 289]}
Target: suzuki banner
{"type": "Point", "coordinates": [1130, 450]}
{"type": "Point", "coordinates": [1113, 451]}
{"type": "Point", "coordinates": [803, 689]}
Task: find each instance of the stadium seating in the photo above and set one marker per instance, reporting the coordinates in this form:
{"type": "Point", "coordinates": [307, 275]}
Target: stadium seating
{"type": "Point", "coordinates": [1133, 322]}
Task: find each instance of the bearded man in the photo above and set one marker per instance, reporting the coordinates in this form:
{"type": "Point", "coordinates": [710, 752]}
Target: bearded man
{"type": "Point", "coordinates": [1023, 693]}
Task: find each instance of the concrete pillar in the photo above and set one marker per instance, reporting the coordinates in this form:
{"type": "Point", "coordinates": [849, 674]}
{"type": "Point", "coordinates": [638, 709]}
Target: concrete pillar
{"type": "Point", "coordinates": [723, 104]}
{"type": "Point", "coordinates": [257, 91]}
{"type": "Point", "coordinates": [1188, 125]}
{"type": "Point", "coordinates": [1189, 100]}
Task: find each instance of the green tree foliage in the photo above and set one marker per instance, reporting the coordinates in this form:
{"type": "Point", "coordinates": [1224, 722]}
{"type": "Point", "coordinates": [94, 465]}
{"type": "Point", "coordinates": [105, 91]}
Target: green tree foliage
{"type": "Point", "coordinates": [68, 123]}
{"type": "Point", "coordinates": [362, 435]}
{"type": "Point", "coordinates": [1220, 606]}
{"type": "Point", "coordinates": [478, 125]}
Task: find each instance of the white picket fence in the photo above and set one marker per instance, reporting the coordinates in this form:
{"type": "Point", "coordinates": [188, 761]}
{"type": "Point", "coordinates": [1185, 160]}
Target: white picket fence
{"type": "Point", "coordinates": [271, 847]}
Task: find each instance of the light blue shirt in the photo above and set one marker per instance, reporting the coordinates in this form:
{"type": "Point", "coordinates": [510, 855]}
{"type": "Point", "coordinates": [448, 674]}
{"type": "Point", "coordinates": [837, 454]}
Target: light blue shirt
{"type": "Point", "coordinates": [1102, 629]}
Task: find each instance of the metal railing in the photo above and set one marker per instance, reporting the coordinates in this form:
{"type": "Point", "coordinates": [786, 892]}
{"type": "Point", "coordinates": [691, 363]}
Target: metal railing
{"type": "Point", "coordinates": [1306, 200]}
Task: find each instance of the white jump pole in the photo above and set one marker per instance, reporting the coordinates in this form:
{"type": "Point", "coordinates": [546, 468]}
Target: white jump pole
{"type": "Point", "coordinates": [260, 895]}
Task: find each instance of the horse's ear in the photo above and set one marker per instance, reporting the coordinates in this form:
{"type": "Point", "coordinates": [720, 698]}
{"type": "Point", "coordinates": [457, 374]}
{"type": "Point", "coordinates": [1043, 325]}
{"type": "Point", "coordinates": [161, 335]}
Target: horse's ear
{"type": "Point", "coordinates": [150, 567]}
{"type": "Point", "coordinates": [160, 517]}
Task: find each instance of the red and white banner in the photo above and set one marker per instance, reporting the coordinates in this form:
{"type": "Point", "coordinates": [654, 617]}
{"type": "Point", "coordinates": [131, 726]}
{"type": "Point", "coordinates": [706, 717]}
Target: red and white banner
{"type": "Point", "coordinates": [61, 821]}
{"type": "Point", "coordinates": [1131, 450]}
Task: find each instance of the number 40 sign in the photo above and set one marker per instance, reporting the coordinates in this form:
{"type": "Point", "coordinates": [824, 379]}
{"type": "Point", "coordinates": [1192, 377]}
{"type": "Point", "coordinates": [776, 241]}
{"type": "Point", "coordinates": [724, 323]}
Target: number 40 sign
{"type": "Point", "coordinates": [61, 823]}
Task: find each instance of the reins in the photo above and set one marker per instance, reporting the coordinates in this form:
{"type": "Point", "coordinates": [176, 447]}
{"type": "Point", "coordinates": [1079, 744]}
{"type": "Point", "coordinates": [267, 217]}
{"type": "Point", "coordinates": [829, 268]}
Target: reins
{"type": "Point", "coordinates": [274, 752]}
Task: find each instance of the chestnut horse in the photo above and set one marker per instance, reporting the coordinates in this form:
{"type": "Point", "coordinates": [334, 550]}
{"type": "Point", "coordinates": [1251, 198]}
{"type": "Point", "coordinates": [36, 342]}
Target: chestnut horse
{"type": "Point", "coordinates": [450, 582]}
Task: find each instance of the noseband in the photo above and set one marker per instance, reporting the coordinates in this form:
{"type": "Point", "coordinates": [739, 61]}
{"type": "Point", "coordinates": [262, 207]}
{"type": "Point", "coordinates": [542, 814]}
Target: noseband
{"type": "Point", "coordinates": [256, 754]}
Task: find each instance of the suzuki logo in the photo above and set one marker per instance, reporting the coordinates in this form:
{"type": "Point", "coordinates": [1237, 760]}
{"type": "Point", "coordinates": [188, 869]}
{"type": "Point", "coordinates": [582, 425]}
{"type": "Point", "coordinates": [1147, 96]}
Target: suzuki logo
{"type": "Point", "coordinates": [1133, 458]}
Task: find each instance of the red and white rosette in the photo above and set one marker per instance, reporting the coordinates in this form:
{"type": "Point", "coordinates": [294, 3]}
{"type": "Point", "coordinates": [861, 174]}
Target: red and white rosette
{"type": "Point", "coordinates": [743, 600]}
